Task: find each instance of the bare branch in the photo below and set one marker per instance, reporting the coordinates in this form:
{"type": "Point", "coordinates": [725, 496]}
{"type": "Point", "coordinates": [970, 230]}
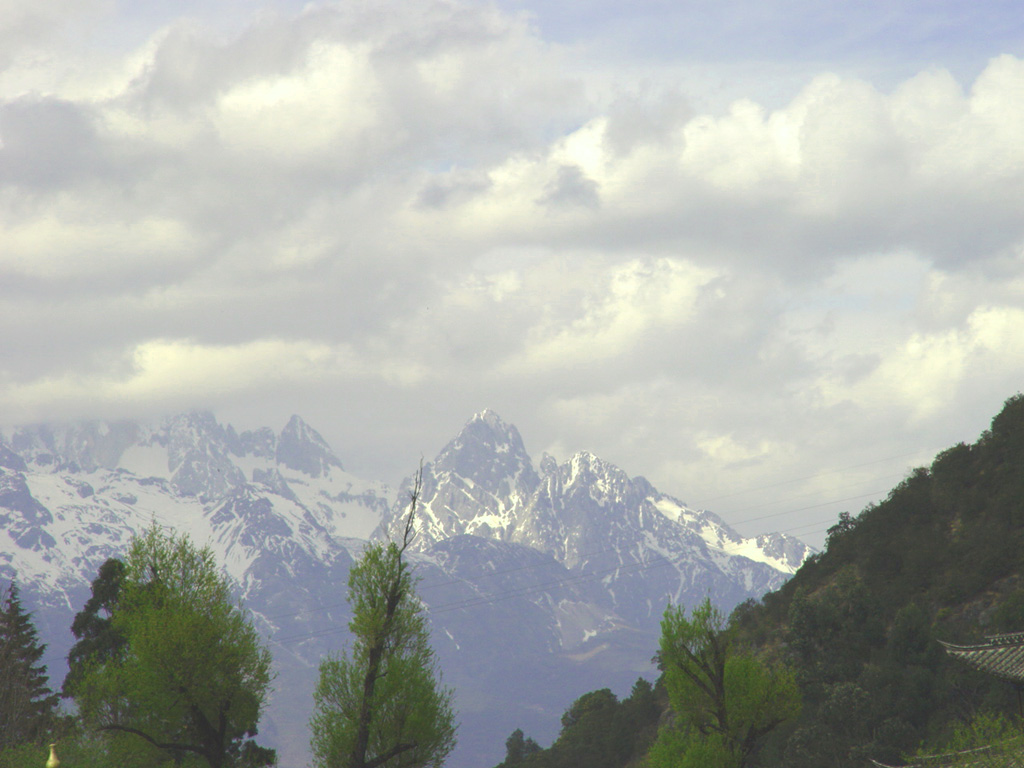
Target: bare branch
{"type": "Point", "coordinates": [414, 497]}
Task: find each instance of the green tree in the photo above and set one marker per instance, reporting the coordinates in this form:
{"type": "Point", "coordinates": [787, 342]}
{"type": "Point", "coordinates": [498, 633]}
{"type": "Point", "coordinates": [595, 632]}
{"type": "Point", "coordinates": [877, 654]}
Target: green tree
{"type": "Point", "coordinates": [518, 747]}
{"type": "Point", "coordinates": [93, 627]}
{"type": "Point", "coordinates": [725, 700]}
{"type": "Point", "coordinates": [190, 674]}
{"type": "Point", "coordinates": [381, 704]}
{"type": "Point", "coordinates": [986, 741]}
{"type": "Point", "coordinates": [27, 705]}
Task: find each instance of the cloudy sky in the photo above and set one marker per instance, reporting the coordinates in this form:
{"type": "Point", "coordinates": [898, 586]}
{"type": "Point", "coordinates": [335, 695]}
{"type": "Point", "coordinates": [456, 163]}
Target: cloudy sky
{"type": "Point", "coordinates": [768, 254]}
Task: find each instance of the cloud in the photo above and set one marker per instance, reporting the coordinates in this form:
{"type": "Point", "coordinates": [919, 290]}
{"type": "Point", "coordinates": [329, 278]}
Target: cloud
{"type": "Point", "coordinates": [27, 25]}
{"type": "Point", "coordinates": [925, 375]}
{"type": "Point", "coordinates": [411, 210]}
{"type": "Point", "coordinates": [632, 301]}
{"type": "Point", "coordinates": [165, 375]}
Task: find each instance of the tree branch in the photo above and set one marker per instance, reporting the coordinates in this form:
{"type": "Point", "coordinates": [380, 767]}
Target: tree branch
{"type": "Point", "coordinates": [414, 497]}
{"type": "Point", "coordinates": [171, 746]}
{"type": "Point", "coordinates": [393, 752]}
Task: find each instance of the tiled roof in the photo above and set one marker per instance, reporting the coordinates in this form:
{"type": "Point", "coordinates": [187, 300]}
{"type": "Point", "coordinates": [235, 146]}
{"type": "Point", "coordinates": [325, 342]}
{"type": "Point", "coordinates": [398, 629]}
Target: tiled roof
{"type": "Point", "coordinates": [1000, 655]}
{"type": "Point", "coordinates": [962, 759]}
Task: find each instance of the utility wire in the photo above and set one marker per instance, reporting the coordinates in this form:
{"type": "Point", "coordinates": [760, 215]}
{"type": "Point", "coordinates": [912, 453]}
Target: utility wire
{"type": "Point", "coordinates": [803, 496]}
{"type": "Point", "coordinates": [474, 602]}
{"type": "Point", "coordinates": [532, 566]}
{"type": "Point", "coordinates": [166, 523]}
{"type": "Point", "coordinates": [808, 477]}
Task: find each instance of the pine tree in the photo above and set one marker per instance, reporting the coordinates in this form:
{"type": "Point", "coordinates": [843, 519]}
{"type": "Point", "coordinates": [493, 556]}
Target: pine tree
{"type": "Point", "coordinates": [27, 705]}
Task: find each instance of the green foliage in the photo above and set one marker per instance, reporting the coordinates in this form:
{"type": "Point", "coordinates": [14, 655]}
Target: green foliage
{"type": "Point", "coordinates": [182, 670]}
{"type": "Point", "coordinates": [78, 748]}
{"type": "Point", "coordinates": [858, 628]}
{"type": "Point", "coordinates": [25, 755]}
{"type": "Point", "coordinates": [680, 748]}
{"type": "Point", "coordinates": [381, 704]}
{"type": "Point", "coordinates": [27, 705]}
{"type": "Point", "coordinates": [93, 626]}
{"type": "Point", "coordinates": [598, 731]}
{"type": "Point", "coordinates": [987, 741]}
{"type": "Point", "coordinates": [591, 731]}
{"type": "Point", "coordinates": [518, 747]}
{"type": "Point", "coordinates": [726, 700]}
{"type": "Point", "coordinates": [941, 557]}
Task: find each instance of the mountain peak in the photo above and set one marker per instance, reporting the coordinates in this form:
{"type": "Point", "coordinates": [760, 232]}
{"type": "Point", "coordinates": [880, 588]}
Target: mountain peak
{"type": "Point", "coordinates": [301, 447]}
{"type": "Point", "coordinates": [487, 451]}
{"type": "Point", "coordinates": [589, 465]}
{"type": "Point", "coordinates": [491, 419]}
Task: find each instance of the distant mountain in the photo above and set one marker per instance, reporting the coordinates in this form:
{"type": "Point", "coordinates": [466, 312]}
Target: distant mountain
{"type": "Point", "coordinates": [645, 547]}
{"type": "Point", "coordinates": [539, 584]}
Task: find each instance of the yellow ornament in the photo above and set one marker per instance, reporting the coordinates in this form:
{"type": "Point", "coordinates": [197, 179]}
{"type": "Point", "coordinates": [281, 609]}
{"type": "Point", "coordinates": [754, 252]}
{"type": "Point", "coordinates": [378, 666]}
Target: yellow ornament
{"type": "Point", "coordinates": [53, 762]}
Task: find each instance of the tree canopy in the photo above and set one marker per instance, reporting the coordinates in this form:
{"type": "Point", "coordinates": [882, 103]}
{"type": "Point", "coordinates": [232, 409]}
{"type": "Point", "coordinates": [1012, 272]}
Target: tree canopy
{"type": "Point", "coordinates": [598, 731]}
{"type": "Point", "coordinates": [725, 700]}
{"type": "Point", "coordinates": [93, 627]}
{"type": "Point", "coordinates": [188, 674]}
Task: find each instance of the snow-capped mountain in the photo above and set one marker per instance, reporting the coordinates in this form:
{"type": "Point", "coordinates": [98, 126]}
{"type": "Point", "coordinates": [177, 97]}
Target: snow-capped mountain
{"type": "Point", "coordinates": [646, 548]}
{"type": "Point", "coordinates": [83, 490]}
{"type": "Point", "coordinates": [541, 583]}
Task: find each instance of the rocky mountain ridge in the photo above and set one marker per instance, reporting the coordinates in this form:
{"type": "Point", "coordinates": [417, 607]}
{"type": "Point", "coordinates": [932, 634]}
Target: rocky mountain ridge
{"type": "Point", "coordinates": [559, 574]}
{"type": "Point", "coordinates": [646, 547]}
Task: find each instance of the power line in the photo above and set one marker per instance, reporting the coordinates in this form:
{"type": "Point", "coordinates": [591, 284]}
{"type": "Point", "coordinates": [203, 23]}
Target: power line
{"type": "Point", "coordinates": [583, 578]}
{"type": "Point", "coordinates": [804, 496]}
{"type": "Point", "coordinates": [808, 477]}
{"type": "Point", "coordinates": [474, 602]}
{"type": "Point", "coordinates": [812, 506]}
{"type": "Point", "coordinates": [450, 582]}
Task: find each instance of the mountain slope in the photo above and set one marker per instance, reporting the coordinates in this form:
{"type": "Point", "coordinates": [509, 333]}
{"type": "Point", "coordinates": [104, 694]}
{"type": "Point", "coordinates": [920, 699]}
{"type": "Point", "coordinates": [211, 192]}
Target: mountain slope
{"type": "Point", "coordinates": [645, 547]}
{"type": "Point", "coordinates": [942, 558]}
{"type": "Point", "coordinates": [538, 584]}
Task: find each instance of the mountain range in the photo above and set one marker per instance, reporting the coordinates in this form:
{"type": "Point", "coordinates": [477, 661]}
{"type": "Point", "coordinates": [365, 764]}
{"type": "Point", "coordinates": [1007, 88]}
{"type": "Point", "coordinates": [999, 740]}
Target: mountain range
{"type": "Point", "coordinates": [541, 581]}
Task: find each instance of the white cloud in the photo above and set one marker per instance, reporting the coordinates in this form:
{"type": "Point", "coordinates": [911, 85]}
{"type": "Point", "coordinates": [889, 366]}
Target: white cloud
{"type": "Point", "coordinates": [411, 206]}
{"type": "Point", "coordinates": [928, 373]}
{"type": "Point", "coordinates": [173, 374]}
{"type": "Point", "coordinates": [634, 299]}
{"type": "Point", "coordinates": [66, 241]}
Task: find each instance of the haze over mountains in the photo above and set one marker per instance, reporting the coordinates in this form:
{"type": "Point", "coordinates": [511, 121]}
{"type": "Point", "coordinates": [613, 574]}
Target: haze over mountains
{"type": "Point", "coordinates": [542, 581]}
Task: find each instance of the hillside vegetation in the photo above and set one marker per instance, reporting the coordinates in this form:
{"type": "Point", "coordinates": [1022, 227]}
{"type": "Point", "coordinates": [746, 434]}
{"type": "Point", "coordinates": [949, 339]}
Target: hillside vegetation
{"type": "Point", "coordinates": [941, 558]}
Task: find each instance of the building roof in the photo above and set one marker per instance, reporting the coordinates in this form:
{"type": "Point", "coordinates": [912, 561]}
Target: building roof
{"type": "Point", "coordinates": [964, 758]}
{"type": "Point", "coordinates": [1000, 655]}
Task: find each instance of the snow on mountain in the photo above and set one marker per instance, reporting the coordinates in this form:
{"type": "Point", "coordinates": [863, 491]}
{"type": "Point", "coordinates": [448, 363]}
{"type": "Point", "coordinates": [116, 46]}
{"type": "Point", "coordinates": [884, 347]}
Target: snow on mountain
{"type": "Point", "coordinates": [540, 585]}
{"type": "Point", "coordinates": [646, 548]}
{"type": "Point", "coordinates": [85, 489]}
{"type": "Point", "coordinates": [278, 510]}
{"type": "Point", "coordinates": [476, 485]}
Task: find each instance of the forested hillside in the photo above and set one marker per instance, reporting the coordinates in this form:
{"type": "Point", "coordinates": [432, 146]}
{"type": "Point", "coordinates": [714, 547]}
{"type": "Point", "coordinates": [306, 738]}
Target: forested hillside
{"type": "Point", "coordinates": [941, 558]}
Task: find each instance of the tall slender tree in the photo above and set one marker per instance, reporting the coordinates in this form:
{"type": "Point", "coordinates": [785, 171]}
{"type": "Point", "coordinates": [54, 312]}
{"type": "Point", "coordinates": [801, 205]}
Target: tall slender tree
{"type": "Point", "coordinates": [381, 704]}
{"type": "Point", "coordinates": [27, 705]}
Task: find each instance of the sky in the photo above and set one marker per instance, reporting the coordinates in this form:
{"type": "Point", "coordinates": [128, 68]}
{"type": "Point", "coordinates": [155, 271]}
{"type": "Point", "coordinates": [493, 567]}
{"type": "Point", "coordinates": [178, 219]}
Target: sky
{"type": "Point", "coordinates": [769, 255]}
